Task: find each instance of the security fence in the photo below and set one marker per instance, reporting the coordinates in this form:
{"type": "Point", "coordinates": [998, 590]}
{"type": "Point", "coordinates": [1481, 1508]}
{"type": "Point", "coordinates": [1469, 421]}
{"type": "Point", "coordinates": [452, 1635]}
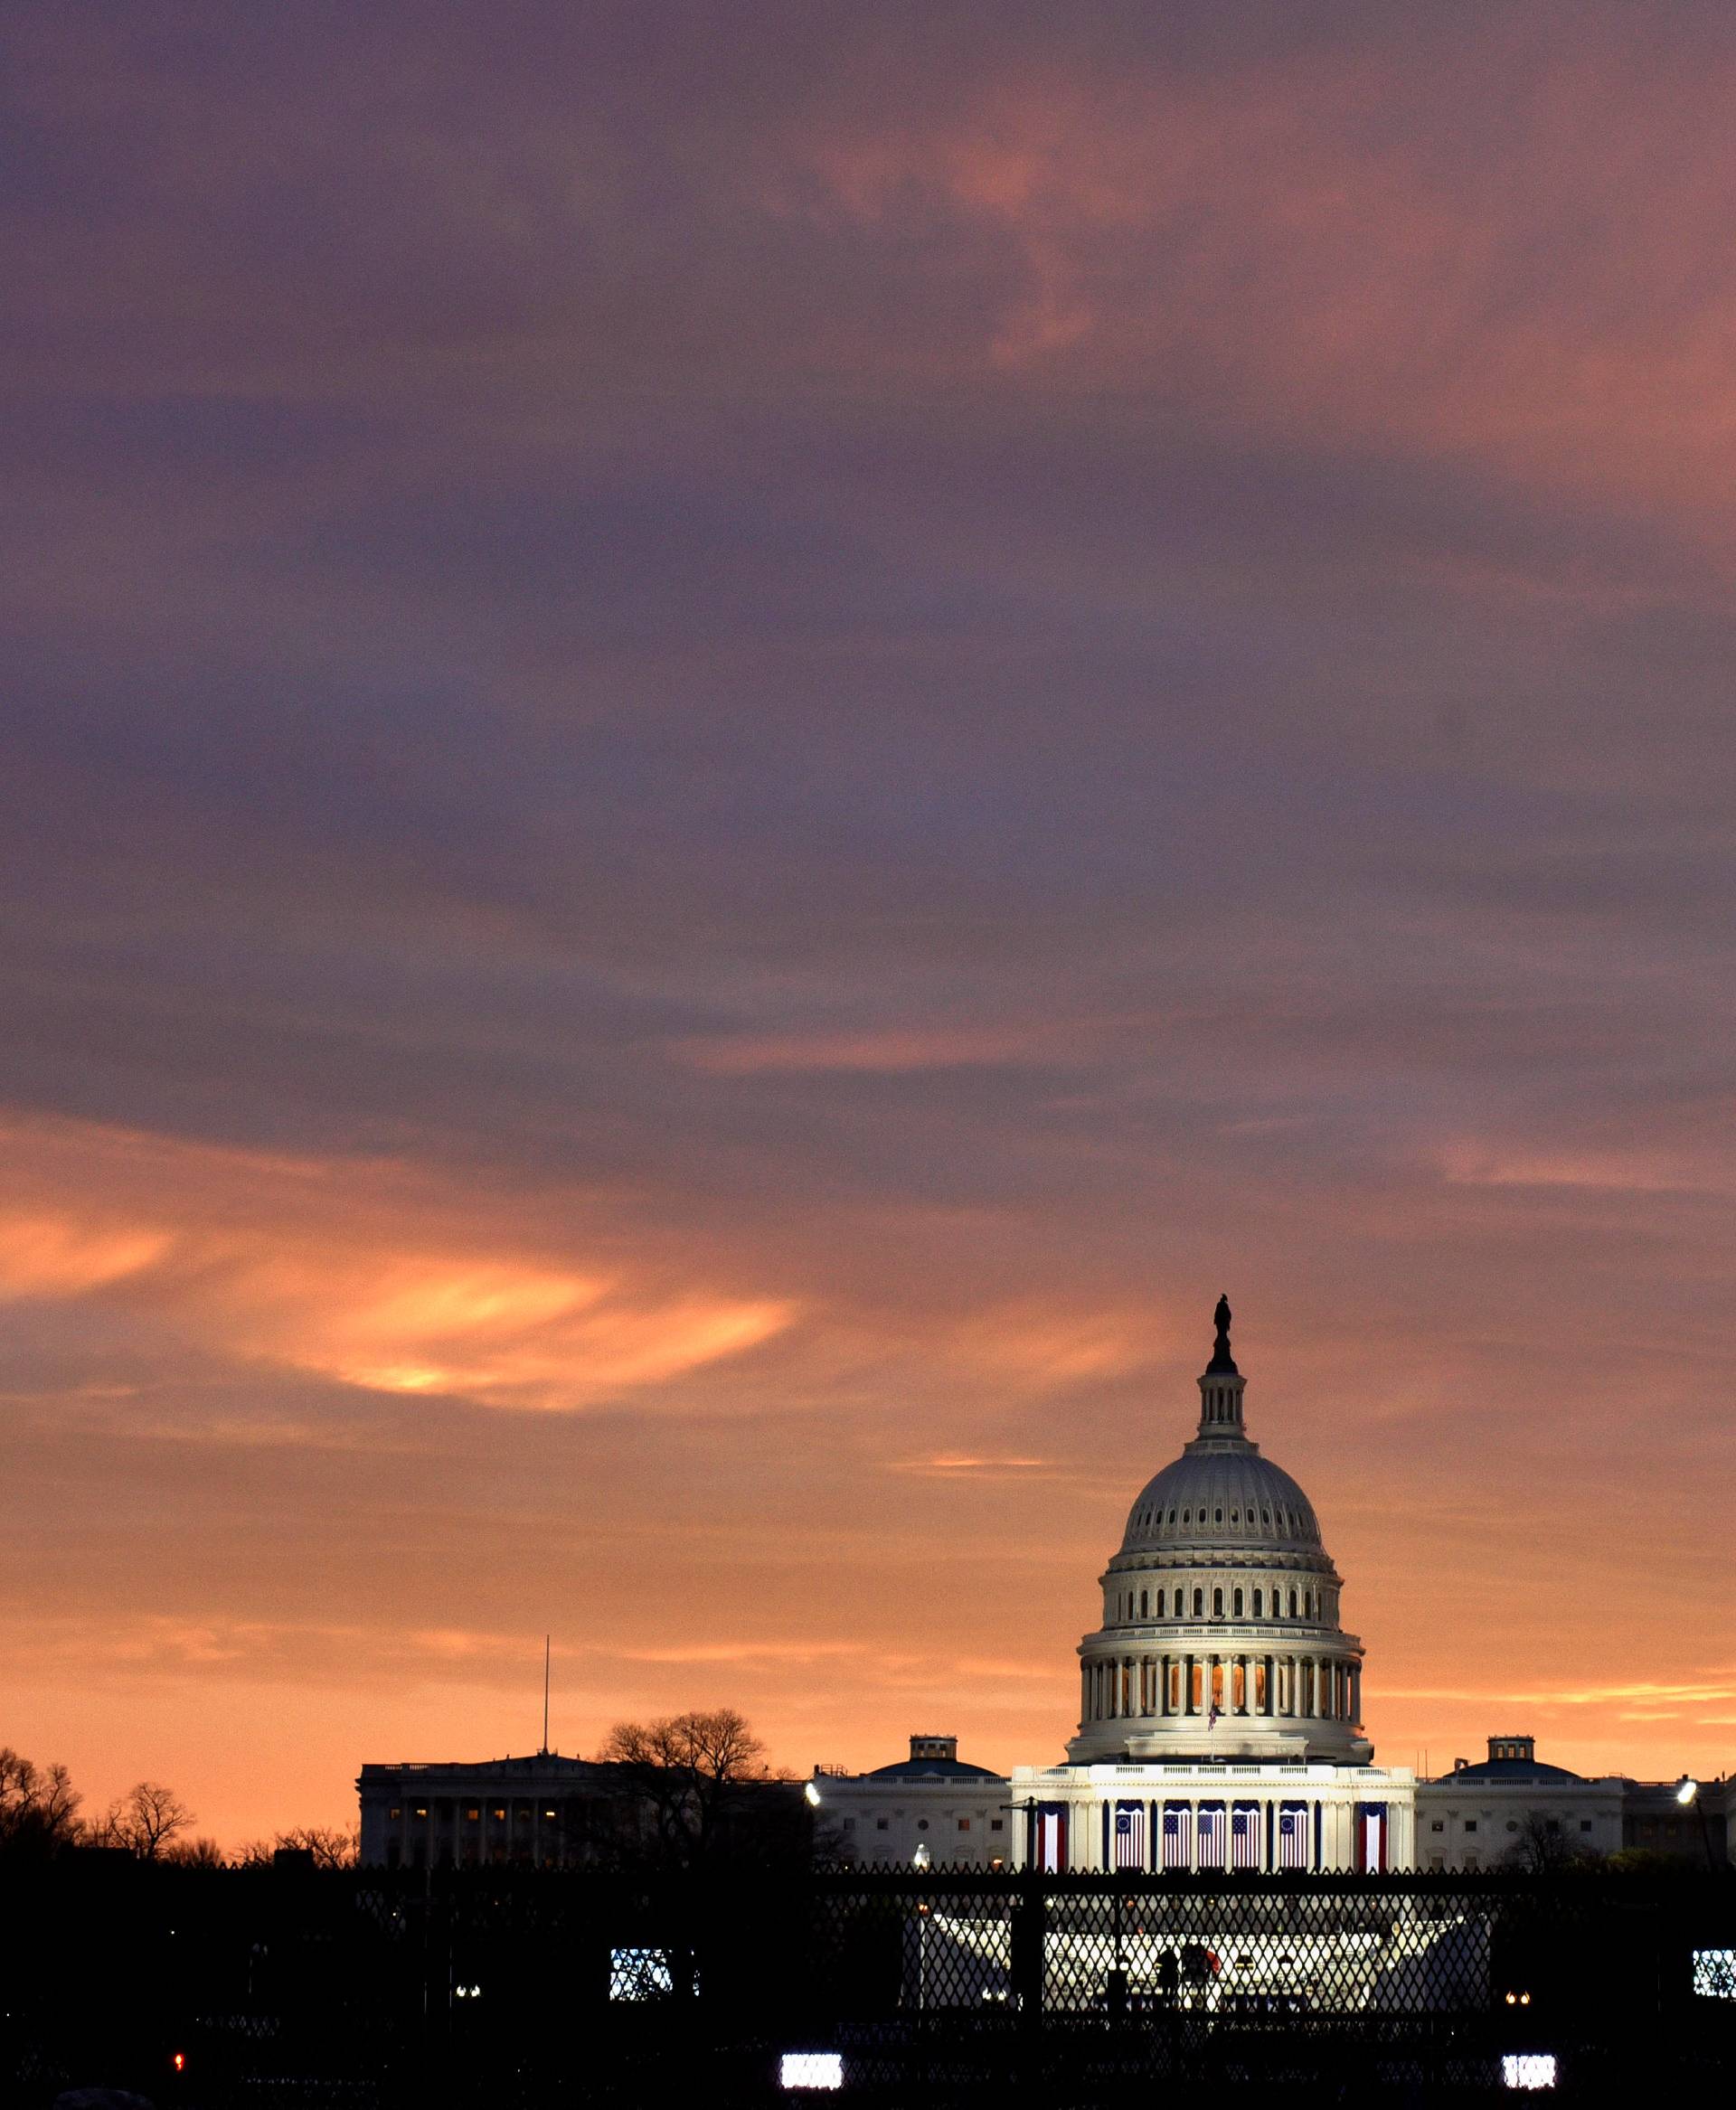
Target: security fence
{"type": "Point", "coordinates": [291, 1986]}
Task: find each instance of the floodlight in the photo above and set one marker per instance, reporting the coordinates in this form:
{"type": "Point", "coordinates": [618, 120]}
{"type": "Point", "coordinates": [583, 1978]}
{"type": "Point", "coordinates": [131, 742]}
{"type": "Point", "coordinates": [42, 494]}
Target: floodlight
{"type": "Point", "coordinates": [1686, 1790]}
{"type": "Point", "coordinates": [811, 2070]}
{"type": "Point", "coordinates": [811, 1795]}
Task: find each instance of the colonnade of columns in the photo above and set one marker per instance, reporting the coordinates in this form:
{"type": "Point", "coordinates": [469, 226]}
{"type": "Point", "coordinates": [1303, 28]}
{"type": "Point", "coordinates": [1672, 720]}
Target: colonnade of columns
{"type": "Point", "coordinates": [1302, 1687]}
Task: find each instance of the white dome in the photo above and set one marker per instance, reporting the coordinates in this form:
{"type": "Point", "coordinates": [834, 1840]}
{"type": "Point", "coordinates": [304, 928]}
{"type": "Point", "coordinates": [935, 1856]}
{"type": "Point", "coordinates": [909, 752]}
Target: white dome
{"type": "Point", "coordinates": [1220, 1498]}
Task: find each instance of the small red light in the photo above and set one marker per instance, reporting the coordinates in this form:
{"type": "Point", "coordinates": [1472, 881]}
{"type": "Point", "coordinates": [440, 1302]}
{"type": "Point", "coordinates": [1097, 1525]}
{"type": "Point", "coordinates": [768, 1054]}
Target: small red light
{"type": "Point", "coordinates": [179, 2062]}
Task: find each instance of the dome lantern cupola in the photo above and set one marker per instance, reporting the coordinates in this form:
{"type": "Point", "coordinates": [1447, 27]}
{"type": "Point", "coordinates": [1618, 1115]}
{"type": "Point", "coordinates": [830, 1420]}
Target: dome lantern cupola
{"type": "Point", "coordinates": [1220, 1387]}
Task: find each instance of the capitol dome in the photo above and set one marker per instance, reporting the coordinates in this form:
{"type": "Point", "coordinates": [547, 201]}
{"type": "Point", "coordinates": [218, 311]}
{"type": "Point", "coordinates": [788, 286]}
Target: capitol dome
{"type": "Point", "coordinates": [1232, 1498]}
{"type": "Point", "coordinates": [1220, 1636]}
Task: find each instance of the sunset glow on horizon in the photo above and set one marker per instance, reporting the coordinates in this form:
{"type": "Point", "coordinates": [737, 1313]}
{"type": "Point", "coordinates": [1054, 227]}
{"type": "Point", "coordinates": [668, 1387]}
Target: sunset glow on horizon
{"type": "Point", "coordinates": [739, 738]}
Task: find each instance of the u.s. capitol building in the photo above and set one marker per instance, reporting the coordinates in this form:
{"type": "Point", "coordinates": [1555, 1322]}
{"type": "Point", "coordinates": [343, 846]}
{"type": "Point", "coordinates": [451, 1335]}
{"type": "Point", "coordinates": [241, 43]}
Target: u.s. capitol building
{"type": "Point", "coordinates": [1219, 1724]}
{"type": "Point", "coordinates": [1220, 1727]}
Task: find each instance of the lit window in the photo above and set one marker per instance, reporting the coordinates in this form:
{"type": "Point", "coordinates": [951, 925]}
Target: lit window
{"type": "Point", "coordinates": [394, 1814]}
{"type": "Point", "coordinates": [473, 1816]}
{"type": "Point", "coordinates": [500, 1816]}
{"type": "Point", "coordinates": [547, 1813]}
{"type": "Point", "coordinates": [421, 1809]}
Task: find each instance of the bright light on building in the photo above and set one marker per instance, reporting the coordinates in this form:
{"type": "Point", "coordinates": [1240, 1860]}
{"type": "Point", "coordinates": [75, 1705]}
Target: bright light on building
{"type": "Point", "coordinates": [812, 1795]}
{"type": "Point", "coordinates": [1714, 1973]}
{"type": "Point", "coordinates": [639, 1973]}
{"type": "Point", "coordinates": [1687, 1791]}
{"type": "Point", "coordinates": [811, 2070]}
{"type": "Point", "coordinates": [1528, 2070]}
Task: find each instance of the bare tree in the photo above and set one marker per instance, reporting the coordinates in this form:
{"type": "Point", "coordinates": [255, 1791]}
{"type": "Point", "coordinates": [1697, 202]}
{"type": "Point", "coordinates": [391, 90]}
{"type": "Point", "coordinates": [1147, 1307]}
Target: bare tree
{"type": "Point", "coordinates": [146, 1821]}
{"type": "Point", "coordinates": [1542, 1846]}
{"type": "Point", "coordinates": [196, 1854]}
{"type": "Point", "coordinates": [39, 1806]}
{"type": "Point", "coordinates": [331, 1847]}
{"type": "Point", "coordinates": [690, 1773]}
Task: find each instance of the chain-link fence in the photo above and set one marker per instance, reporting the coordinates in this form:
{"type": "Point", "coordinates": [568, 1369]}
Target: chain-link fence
{"type": "Point", "coordinates": [291, 1986]}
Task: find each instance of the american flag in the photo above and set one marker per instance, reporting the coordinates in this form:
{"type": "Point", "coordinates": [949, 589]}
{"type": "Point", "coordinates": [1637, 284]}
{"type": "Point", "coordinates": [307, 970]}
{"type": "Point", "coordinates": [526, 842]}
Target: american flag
{"type": "Point", "coordinates": [1177, 1839]}
{"type": "Point", "coordinates": [1293, 1836]}
{"type": "Point", "coordinates": [1211, 1835]}
{"type": "Point", "coordinates": [1372, 1822]}
{"type": "Point", "coordinates": [1129, 1835]}
{"type": "Point", "coordinates": [1051, 1839]}
{"type": "Point", "coordinates": [1244, 1836]}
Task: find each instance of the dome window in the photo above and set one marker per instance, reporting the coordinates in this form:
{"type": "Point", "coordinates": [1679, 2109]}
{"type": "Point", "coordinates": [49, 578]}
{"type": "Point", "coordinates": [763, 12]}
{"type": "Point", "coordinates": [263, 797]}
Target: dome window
{"type": "Point", "coordinates": [1142, 1604]}
{"type": "Point", "coordinates": [1238, 1602]}
{"type": "Point", "coordinates": [1219, 1516]}
{"type": "Point", "coordinates": [1187, 1516]}
{"type": "Point", "coordinates": [1266, 1517]}
{"type": "Point", "coordinates": [1217, 1604]}
{"type": "Point", "coordinates": [1199, 1604]}
{"type": "Point", "coordinates": [1256, 1603]}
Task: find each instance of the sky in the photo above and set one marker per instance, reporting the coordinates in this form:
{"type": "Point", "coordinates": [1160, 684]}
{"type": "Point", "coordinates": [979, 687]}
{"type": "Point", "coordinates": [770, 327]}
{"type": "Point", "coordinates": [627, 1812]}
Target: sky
{"type": "Point", "coordinates": [736, 740]}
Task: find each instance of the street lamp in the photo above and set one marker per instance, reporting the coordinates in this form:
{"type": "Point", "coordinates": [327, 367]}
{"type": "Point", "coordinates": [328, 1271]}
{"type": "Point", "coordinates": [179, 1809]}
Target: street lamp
{"type": "Point", "coordinates": [1687, 1791]}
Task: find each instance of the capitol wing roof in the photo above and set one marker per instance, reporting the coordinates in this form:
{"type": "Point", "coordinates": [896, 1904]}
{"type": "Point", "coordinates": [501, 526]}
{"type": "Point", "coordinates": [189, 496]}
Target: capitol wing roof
{"type": "Point", "coordinates": [933, 1769]}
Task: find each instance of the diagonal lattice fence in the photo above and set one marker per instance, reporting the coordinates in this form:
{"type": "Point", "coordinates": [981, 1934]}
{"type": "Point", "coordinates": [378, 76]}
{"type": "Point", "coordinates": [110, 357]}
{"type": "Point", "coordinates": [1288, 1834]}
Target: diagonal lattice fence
{"type": "Point", "coordinates": [753, 1986]}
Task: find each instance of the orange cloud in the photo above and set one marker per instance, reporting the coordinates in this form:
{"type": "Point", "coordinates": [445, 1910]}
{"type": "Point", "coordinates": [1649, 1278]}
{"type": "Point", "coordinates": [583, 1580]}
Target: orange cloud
{"type": "Point", "coordinates": [954, 1465]}
{"type": "Point", "coordinates": [887, 1053]}
{"type": "Point", "coordinates": [357, 1273]}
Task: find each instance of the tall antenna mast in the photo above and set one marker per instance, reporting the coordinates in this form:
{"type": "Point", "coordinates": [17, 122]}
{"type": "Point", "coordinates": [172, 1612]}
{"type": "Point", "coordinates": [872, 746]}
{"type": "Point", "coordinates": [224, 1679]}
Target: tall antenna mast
{"type": "Point", "coordinates": [546, 1639]}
